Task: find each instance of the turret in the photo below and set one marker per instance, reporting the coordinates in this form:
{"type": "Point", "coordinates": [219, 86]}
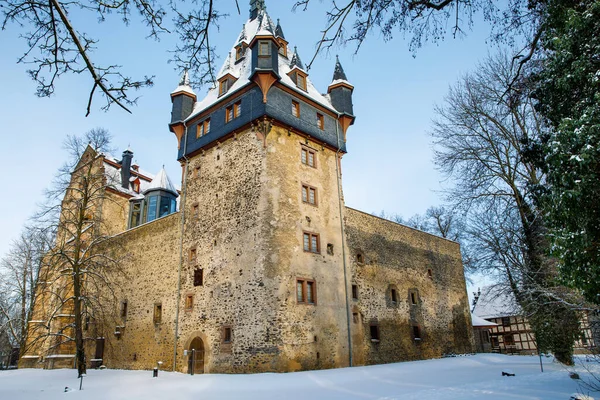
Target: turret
{"type": "Point", "coordinates": [265, 57]}
{"type": "Point", "coordinates": [255, 7]}
{"type": "Point", "coordinates": [340, 94]}
{"type": "Point", "coordinates": [283, 44]}
{"type": "Point", "coordinates": [183, 99]}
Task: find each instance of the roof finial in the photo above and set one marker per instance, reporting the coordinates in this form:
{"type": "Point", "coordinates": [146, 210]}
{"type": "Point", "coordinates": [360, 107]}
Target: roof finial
{"type": "Point", "coordinates": [185, 78]}
{"type": "Point", "coordinates": [278, 30]}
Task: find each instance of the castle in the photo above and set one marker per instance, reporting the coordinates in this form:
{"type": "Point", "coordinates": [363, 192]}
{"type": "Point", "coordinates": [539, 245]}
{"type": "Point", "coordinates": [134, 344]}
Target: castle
{"type": "Point", "coordinates": [255, 264]}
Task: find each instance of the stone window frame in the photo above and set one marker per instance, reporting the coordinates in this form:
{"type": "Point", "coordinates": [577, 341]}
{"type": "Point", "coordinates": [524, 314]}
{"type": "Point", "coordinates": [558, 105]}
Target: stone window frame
{"type": "Point", "coordinates": [360, 257]}
{"type": "Point", "coordinates": [355, 292]}
{"type": "Point", "coordinates": [306, 284]}
{"type": "Point", "coordinates": [195, 211]}
{"type": "Point", "coordinates": [189, 302]}
{"type": "Point", "coordinates": [306, 190]}
{"type": "Point", "coordinates": [311, 236]}
{"type": "Point", "coordinates": [226, 334]}
{"type": "Point", "coordinates": [157, 315]}
{"type": "Point", "coordinates": [193, 255]}
{"type": "Point", "coordinates": [413, 297]}
{"type": "Point", "coordinates": [430, 273]}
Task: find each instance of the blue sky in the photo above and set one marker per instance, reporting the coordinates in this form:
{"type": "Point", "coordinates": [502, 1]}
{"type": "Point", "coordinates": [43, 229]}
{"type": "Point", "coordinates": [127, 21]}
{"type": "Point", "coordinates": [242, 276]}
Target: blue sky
{"type": "Point", "coordinates": [389, 162]}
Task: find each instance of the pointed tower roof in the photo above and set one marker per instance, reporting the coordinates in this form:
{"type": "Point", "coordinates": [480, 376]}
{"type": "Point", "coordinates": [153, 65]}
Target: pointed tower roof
{"type": "Point", "coordinates": [296, 62]}
{"type": "Point", "coordinates": [279, 30]}
{"type": "Point", "coordinates": [184, 85]}
{"type": "Point", "coordinates": [265, 24]}
{"type": "Point", "coordinates": [256, 6]}
{"type": "Point", "coordinates": [162, 182]}
{"type": "Point", "coordinates": [338, 73]}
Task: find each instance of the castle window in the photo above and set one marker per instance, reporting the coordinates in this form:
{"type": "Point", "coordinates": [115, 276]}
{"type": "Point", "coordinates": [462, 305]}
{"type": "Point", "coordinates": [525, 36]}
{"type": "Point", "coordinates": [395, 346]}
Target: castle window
{"type": "Point", "coordinates": [311, 242]}
{"type": "Point", "coordinates": [136, 186]}
{"type": "Point", "coordinates": [195, 211]}
{"type": "Point", "coordinates": [196, 173]}
{"type": "Point", "coordinates": [309, 195]}
{"type": "Point", "coordinates": [306, 291]}
{"type": "Point", "coordinates": [430, 273]}
{"type": "Point", "coordinates": [264, 48]}
{"type": "Point", "coordinates": [308, 157]}
{"type": "Point", "coordinates": [136, 214]}
{"type": "Point", "coordinates": [295, 109]}
{"type": "Point", "coordinates": [223, 87]}
{"type": "Point", "coordinates": [374, 330]}
{"type": "Point", "coordinates": [509, 340]}
{"type": "Point", "coordinates": [189, 302]}
{"type": "Point", "coordinates": [320, 121]}
{"type": "Point", "coordinates": [354, 292]}
{"type": "Point", "coordinates": [152, 206]}
{"type": "Point", "coordinates": [203, 128]}
{"type": "Point", "coordinates": [505, 321]}
{"type": "Point", "coordinates": [198, 277]}
{"type": "Point", "coordinates": [226, 334]}
{"type": "Point", "coordinates": [282, 48]}
{"type": "Point", "coordinates": [416, 331]}
{"type": "Point", "coordinates": [124, 309]}
{"type": "Point", "coordinates": [414, 300]}
{"type": "Point", "coordinates": [157, 313]}
{"type": "Point", "coordinates": [233, 111]}
{"type": "Point", "coordinates": [192, 256]}
{"type": "Point", "coordinates": [394, 296]}
{"type": "Point", "coordinates": [360, 258]}
{"type": "Point", "coordinates": [301, 81]}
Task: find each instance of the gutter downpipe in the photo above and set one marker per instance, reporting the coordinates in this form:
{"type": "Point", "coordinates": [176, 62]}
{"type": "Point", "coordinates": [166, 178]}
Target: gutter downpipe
{"type": "Point", "coordinates": [182, 210]}
{"type": "Point", "coordinates": [339, 178]}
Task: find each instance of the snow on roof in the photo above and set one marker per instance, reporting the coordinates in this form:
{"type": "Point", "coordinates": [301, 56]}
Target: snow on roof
{"type": "Point", "coordinates": [480, 322]}
{"type": "Point", "coordinates": [243, 68]}
{"type": "Point", "coordinates": [184, 84]}
{"type": "Point", "coordinates": [161, 181]}
{"type": "Point", "coordinates": [338, 81]}
{"type": "Point", "coordinates": [495, 302]}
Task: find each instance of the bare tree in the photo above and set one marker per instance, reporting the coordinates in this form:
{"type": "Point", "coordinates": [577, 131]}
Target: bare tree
{"type": "Point", "coordinates": [19, 272]}
{"type": "Point", "coordinates": [479, 138]}
{"type": "Point", "coordinates": [79, 270]}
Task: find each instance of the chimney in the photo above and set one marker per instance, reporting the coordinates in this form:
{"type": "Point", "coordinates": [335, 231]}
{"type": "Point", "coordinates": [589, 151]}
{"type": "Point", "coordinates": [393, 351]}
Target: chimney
{"type": "Point", "coordinates": [126, 168]}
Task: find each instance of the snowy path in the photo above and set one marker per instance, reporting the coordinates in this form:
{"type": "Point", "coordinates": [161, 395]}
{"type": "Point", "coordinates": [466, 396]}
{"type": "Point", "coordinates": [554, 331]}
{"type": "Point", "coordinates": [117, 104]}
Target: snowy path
{"type": "Point", "coordinates": [473, 377]}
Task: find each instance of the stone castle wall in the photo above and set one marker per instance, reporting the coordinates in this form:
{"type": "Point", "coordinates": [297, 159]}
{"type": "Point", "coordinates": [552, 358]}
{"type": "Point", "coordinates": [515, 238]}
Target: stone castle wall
{"type": "Point", "coordinates": [386, 256]}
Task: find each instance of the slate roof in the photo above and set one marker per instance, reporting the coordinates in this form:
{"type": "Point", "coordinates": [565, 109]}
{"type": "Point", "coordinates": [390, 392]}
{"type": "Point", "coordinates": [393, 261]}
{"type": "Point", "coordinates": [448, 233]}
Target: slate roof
{"type": "Point", "coordinates": [262, 25]}
{"type": "Point", "coordinates": [161, 182]}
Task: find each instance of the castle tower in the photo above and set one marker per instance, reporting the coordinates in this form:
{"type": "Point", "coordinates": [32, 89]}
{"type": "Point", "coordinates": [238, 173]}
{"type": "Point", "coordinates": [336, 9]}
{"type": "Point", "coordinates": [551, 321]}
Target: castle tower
{"type": "Point", "coordinates": [264, 266]}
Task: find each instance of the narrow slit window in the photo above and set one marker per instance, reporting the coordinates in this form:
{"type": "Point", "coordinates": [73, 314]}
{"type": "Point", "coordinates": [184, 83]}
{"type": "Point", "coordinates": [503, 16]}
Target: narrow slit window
{"type": "Point", "coordinates": [416, 332]}
{"type": "Point", "coordinates": [226, 334]}
{"type": "Point", "coordinates": [355, 292]}
{"type": "Point", "coordinates": [394, 296]}
{"type": "Point", "coordinates": [374, 330]}
{"type": "Point", "coordinates": [192, 256]}
{"type": "Point", "coordinates": [198, 277]}
{"type": "Point", "coordinates": [157, 313]}
{"type": "Point", "coordinates": [124, 309]}
{"type": "Point", "coordinates": [189, 302]}
{"type": "Point", "coordinates": [295, 109]}
{"type": "Point", "coordinates": [413, 298]}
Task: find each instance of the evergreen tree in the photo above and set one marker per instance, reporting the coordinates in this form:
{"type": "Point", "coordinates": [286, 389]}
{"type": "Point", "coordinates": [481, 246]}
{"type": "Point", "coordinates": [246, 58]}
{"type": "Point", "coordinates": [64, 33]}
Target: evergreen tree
{"type": "Point", "coordinates": [568, 92]}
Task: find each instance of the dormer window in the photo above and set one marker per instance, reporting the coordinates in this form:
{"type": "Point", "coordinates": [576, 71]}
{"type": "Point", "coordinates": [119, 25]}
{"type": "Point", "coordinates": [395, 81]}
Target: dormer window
{"type": "Point", "coordinates": [223, 87]}
{"type": "Point", "coordinates": [136, 186]}
{"type": "Point", "coordinates": [282, 47]}
{"type": "Point", "coordinates": [239, 52]}
{"type": "Point", "coordinates": [301, 81]}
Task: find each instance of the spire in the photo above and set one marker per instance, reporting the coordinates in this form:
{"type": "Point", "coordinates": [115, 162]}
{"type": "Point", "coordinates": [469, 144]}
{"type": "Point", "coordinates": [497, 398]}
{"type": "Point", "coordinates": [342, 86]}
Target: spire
{"type": "Point", "coordinates": [296, 62]}
{"type": "Point", "coordinates": [255, 7]}
{"type": "Point", "coordinates": [184, 85]}
{"type": "Point", "coordinates": [279, 31]}
{"type": "Point", "coordinates": [338, 73]}
{"type": "Point", "coordinates": [243, 34]}
{"type": "Point", "coordinates": [265, 24]}
{"type": "Point", "coordinates": [185, 78]}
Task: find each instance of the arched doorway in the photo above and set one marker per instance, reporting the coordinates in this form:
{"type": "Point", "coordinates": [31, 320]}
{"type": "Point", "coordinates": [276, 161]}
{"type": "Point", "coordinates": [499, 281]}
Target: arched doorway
{"type": "Point", "coordinates": [196, 356]}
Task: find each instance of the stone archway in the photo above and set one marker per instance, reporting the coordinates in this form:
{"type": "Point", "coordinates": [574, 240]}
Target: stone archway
{"type": "Point", "coordinates": [196, 356]}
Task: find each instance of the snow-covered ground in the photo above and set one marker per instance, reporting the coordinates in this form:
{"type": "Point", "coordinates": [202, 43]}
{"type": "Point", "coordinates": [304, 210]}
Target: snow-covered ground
{"type": "Point", "coordinates": [470, 377]}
